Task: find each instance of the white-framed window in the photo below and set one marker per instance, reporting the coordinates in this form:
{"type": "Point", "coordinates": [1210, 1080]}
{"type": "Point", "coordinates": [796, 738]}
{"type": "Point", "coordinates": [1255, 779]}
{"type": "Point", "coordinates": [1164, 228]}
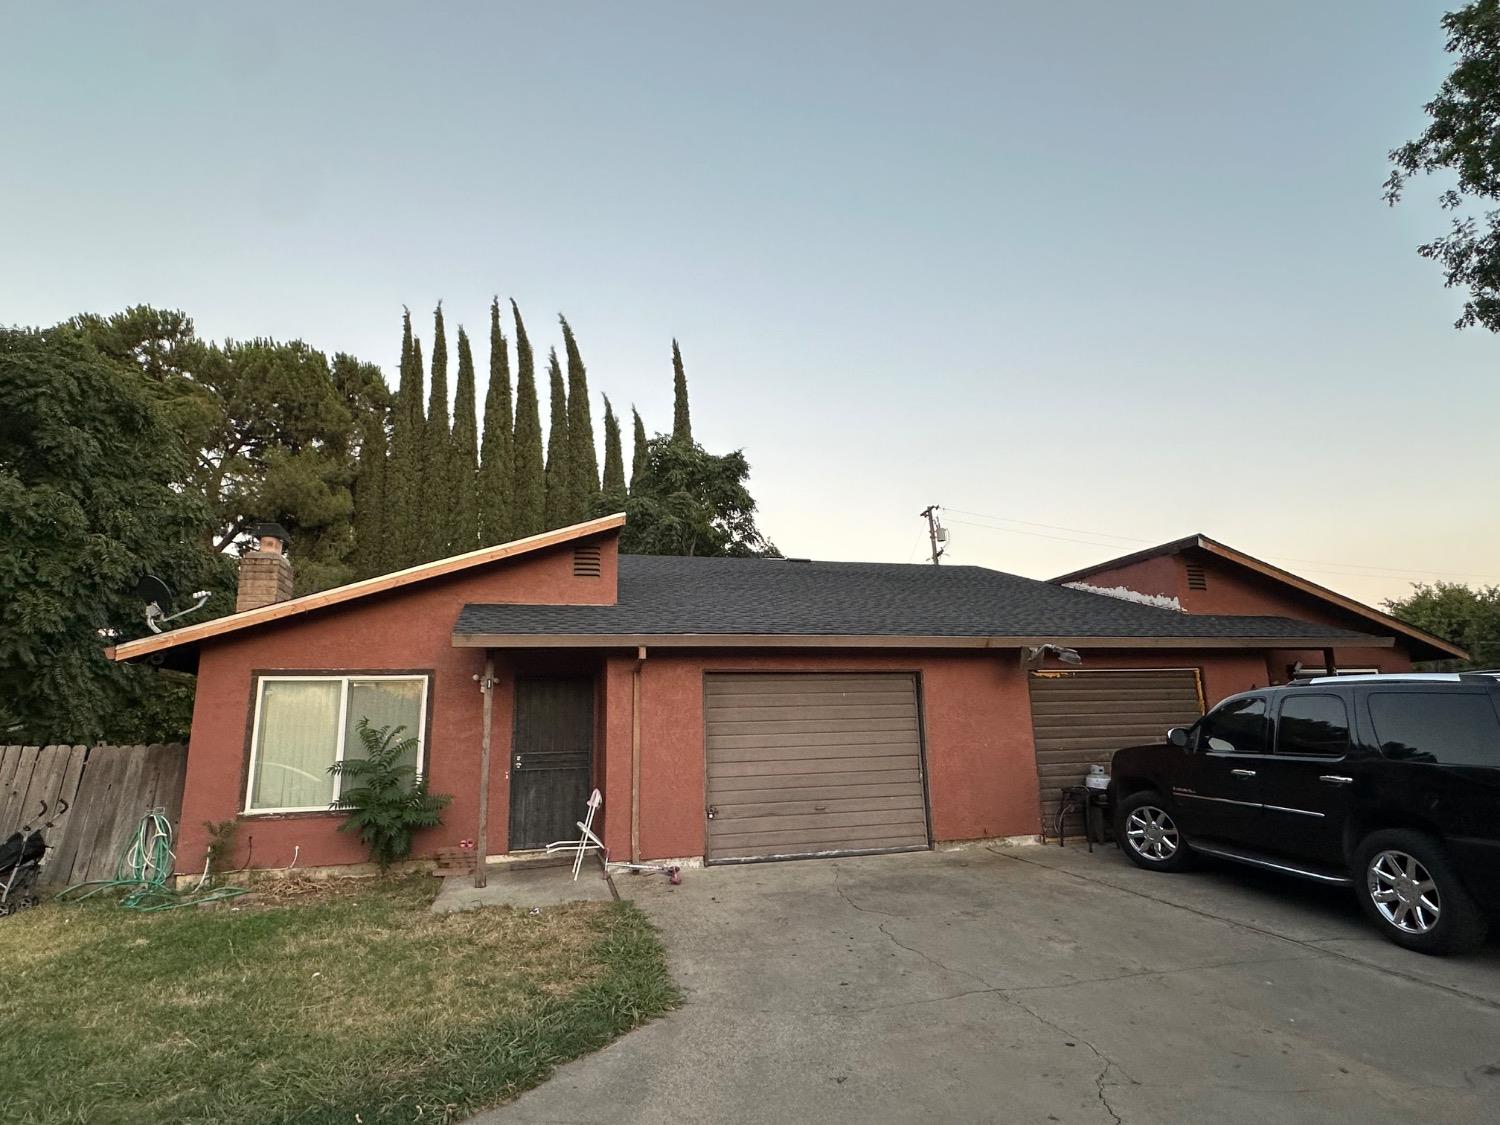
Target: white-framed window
{"type": "Point", "coordinates": [303, 724]}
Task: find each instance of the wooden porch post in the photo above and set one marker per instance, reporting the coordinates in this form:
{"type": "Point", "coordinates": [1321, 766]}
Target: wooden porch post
{"type": "Point", "coordinates": [482, 837]}
{"type": "Point", "coordinates": [1330, 665]}
{"type": "Point", "coordinates": [635, 756]}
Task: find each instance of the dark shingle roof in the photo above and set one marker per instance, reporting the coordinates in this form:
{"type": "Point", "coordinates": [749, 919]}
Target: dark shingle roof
{"type": "Point", "coordinates": [668, 595]}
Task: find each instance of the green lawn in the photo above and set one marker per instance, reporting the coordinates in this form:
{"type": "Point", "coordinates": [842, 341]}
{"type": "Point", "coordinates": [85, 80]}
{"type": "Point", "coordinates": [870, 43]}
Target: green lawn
{"type": "Point", "coordinates": [310, 1005]}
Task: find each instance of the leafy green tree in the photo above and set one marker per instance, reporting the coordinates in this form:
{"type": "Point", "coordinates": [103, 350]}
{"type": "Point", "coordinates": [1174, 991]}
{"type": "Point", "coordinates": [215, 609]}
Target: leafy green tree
{"type": "Point", "coordinates": [271, 432]}
{"type": "Point", "coordinates": [386, 798]}
{"type": "Point", "coordinates": [688, 501]}
{"type": "Point", "coordinates": [583, 459]}
{"type": "Point", "coordinates": [637, 448]}
{"type": "Point", "coordinates": [404, 472]}
{"type": "Point", "coordinates": [1463, 138]}
{"type": "Point", "coordinates": [463, 476]}
{"type": "Point", "coordinates": [558, 476]}
{"type": "Point", "coordinates": [614, 491]}
{"type": "Point", "coordinates": [529, 497]}
{"type": "Point", "coordinates": [497, 460]}
{"type": "Point", "coordinates": [89, 501]}
{"type": "Point", "coordinates": [682, 422]}
{"type": "Point", "coordinates": [1469, 616]}
{"type": "Point", "coordinates": [437, 451]}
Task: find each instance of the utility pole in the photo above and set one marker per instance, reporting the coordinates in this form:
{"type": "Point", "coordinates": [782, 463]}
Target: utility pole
{"type": "Point", "coordinates": [936, 532]}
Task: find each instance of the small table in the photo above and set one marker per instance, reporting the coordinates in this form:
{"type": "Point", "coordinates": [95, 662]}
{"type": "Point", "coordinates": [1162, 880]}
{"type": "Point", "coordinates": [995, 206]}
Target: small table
{"type": "Point", "coordinates": [1095, 806]}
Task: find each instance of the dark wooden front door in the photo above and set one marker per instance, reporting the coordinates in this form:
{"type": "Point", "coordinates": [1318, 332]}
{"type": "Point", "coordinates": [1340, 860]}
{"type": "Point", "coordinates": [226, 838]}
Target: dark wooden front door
{"type": "Point", "coordinates": [551, 761]}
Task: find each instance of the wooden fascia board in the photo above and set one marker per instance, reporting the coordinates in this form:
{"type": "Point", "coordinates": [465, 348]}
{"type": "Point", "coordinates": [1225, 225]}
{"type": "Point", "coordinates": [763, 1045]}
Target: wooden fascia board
{"type": "Point", "coordinates": [188, 634]}
{"type": "Point", "coordinates": [1369, 613]}
{"type": "Point", "coordinates": [785, 640]}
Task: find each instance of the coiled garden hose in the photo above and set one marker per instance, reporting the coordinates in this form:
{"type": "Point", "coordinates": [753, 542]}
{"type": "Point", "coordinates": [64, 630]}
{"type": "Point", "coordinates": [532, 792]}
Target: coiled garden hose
{"type": "Point", "coordinates": [143, 871]}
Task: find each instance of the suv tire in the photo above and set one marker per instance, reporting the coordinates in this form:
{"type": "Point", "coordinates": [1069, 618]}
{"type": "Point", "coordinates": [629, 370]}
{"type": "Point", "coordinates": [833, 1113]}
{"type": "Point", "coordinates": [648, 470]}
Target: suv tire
{"type": "Point", "coordinates": [1146, 830]}
{"type": "Point", "coordinates": [1410, 891]}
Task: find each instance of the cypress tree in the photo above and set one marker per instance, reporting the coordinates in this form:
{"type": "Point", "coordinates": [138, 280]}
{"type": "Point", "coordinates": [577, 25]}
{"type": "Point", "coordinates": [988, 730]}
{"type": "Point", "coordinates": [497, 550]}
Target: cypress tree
{"type": "Point", "coordinates": [583, 458]}
{"type": "Point", "coordinates": [557, 511]}
{"type": "Point", "coordinates": [637, 450]}
{"type": "Point", "coordinates": [682, 423]}
{"type": "Point", "coordinates": [404, 469]}
{"type": "Point", "coordinates": [529, 491]}
{"type": "Point", "coordinates": [497, 460]}
{"type": "Point", "coordinates": [614, 459]}
{"type": "Point", "coordinates": [371, 526]}
{"type": "Point", "coordinates": [463, 512]}
{"type": "Point", "coordinates": [437, 454]}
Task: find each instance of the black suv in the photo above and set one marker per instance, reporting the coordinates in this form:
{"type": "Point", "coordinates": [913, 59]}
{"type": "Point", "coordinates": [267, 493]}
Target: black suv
{"type": "Point", "coordinates": [1389, 784]}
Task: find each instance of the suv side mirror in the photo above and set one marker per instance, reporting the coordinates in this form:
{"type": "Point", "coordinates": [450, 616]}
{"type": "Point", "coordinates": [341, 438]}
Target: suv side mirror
{"type": "Point", "coordinates": [1178, 737]}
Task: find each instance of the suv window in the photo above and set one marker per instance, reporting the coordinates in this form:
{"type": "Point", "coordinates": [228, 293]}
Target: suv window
{"type": "Point", "coordinates": [1313, 724]}
{"type": "Point", "coordinates": [1237, 726]}
{"type": "Point", "coordinates": [1450, 728]}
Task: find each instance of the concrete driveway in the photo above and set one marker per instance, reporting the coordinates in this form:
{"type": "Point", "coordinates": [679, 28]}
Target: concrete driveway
{"type": "Point", "coordinates": [1036, 984]}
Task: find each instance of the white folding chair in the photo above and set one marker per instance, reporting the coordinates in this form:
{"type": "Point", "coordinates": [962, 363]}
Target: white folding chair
{"type": "Point", "coordinates": [587, 842]}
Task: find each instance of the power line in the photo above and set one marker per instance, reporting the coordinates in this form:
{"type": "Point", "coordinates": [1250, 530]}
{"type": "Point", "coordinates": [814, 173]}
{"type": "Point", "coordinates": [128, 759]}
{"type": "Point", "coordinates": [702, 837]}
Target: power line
{"type": "Point", "coordinates": [1350, 570]}
{"type": "Point", "coordinates": [1034, 534]}
{"type": "Point", "coordinates": [1049, 526]}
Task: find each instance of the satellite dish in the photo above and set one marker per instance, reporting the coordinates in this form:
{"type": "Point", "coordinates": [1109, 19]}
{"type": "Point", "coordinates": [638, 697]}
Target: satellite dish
{"type": "Point", "coordinates": [158, 598]}
{"type": "Point", "coordinates": [153, 591]}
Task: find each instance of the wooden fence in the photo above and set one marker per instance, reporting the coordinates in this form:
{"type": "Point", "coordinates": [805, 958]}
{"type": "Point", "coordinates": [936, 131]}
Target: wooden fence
{"type": "Point", "coordinates": [93, 795]}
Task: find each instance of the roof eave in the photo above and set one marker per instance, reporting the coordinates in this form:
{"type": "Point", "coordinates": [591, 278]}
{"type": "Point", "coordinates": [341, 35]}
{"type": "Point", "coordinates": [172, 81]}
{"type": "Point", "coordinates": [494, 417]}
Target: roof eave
{"type": "Point", "coordinates": [848, 640]}
{"type": "Point", "coordinates": [1271, 570]}
{"type": "Point", "coordinates": [193, 634]}
{"type": "Point", "coordinates": [1296, 581]}
{"type": "Point", "coordinates": [1170, 548]}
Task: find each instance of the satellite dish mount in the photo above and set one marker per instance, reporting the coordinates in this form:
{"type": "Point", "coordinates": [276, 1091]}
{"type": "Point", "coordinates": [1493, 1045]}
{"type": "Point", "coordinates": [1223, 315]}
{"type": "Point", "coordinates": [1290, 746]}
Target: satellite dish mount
{"type": "Point", "coordinates": [158, 598]}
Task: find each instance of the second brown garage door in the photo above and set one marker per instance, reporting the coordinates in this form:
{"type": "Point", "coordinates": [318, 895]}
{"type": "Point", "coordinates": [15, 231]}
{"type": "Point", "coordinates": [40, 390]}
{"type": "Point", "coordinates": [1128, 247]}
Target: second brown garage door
{"type": "Point", "coordinates": [1083, 717]}
{"type": "Point", "coordinates": [806, 764]}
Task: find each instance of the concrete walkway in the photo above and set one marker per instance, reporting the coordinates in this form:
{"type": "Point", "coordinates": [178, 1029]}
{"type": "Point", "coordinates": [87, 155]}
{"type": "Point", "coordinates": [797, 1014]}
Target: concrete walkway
{"type": "Point", "coordinates": [1036, 985]}
{"type": "Point", "coordinates": [524, 887]}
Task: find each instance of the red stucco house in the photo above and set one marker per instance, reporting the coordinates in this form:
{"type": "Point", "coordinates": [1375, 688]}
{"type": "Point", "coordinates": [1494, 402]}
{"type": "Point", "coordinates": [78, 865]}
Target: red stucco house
{"type": "Point", "coordinates": [730, 709]}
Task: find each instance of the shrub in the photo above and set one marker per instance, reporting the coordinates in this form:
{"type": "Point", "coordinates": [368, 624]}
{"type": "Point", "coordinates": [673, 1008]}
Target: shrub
{"type": "Point", "coordinates": [386, 799]}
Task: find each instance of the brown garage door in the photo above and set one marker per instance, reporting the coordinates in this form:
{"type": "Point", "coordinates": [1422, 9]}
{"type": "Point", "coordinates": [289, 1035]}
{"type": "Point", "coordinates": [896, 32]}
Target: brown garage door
{"type": "Point", "coordinates": [812, 764]}
{"type": "Point", "coordinates": [1084, 717]}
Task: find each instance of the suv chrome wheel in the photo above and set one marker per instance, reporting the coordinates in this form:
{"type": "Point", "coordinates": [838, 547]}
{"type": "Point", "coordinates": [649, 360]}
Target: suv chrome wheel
{"type": "Point", "coordinates": [1403, 891]}
{"type": "Point", "coordinates": [1152, 833]}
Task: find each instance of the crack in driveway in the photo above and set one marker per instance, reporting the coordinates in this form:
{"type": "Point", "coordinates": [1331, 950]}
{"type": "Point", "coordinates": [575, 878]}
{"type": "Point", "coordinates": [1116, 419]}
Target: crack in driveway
{"type": "Point", "coordinates": [1312, 944]}
{"type": "Point", "coordinates": [1005, 994]}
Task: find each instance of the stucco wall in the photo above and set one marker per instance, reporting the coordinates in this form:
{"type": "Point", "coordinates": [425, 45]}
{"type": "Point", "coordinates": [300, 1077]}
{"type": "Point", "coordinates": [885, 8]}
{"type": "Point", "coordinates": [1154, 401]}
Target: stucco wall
{"type": "Point", "coordinates": [980, 763]}
{"type": "Point", "coordinates": [407, 630]}
{"type": "Point", "coordinates": [1162, 575]}
{"type": "Point", "coordinates": [1232, 589]}
{"type": "Point", "coordinates": [981, 771]}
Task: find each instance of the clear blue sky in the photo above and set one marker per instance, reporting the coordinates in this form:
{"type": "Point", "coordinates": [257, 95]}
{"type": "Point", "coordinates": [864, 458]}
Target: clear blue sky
{"type": "Point", "coordinates": [1114, 267]}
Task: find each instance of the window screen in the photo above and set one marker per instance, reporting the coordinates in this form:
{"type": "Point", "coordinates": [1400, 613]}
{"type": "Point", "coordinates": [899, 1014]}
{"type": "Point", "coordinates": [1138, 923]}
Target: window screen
{"type": "Point", "coordinates": [304, 724]}
{"type": "Point", "coordinates": [299, 726]}
{"type": "Point", "coordinates": [1450, 728]}
{"type": "Point", "coordinates": [1314, 725]}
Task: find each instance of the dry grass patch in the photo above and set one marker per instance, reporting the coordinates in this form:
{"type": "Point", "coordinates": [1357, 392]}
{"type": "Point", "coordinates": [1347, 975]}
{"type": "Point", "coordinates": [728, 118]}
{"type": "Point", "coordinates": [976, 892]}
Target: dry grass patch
{"type": "Point", "coordinates": [317, 1000]}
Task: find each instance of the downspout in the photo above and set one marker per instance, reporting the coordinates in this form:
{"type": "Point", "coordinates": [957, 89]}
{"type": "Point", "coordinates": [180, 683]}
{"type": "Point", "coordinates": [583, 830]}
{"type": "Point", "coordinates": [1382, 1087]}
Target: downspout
{"type": "Point", "coordinates": [482, 836]}
{"type": "Point", "coordinates": [635, 755]}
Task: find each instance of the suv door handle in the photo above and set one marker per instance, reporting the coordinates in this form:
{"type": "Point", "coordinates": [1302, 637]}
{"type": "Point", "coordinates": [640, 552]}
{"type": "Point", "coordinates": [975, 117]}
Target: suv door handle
{"type": "Point", "coordinates": [1243, 773]}
{"type": "Point", "coordinates": [1335, 779]}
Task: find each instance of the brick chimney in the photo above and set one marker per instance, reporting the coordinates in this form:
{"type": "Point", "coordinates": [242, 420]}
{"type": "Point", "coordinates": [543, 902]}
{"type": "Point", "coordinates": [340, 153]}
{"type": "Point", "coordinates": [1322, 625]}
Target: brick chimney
{"type": "Point", "coordinates": [265, 571]}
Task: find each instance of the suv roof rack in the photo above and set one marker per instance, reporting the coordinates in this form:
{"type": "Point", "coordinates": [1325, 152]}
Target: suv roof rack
{"type": "Point", "coordinates": [1490, 678]}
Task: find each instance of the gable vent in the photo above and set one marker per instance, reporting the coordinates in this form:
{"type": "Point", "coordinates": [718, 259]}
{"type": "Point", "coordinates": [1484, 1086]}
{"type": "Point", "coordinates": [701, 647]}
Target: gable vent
{"type": "Point", "coordinates": [1197, 577]}
{"type": "Point", "coordinates": [586, 562]}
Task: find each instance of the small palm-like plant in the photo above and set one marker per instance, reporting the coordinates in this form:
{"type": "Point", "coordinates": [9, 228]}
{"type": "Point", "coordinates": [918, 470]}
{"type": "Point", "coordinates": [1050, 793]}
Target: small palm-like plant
{"type": "Point", "coordinates": [386, 800]}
